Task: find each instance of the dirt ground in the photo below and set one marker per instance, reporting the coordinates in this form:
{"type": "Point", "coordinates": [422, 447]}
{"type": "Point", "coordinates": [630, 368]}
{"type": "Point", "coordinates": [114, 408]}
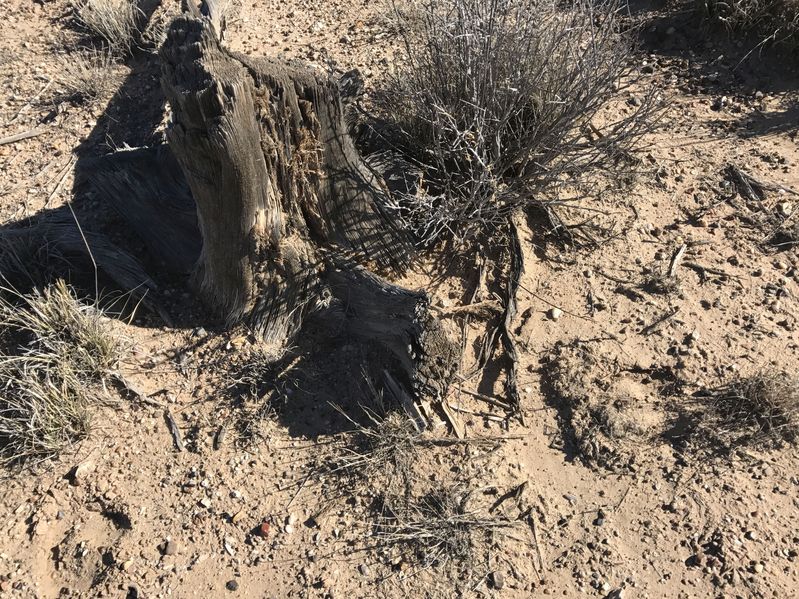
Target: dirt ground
{"type": "Point", "coordinates": [625, 498]}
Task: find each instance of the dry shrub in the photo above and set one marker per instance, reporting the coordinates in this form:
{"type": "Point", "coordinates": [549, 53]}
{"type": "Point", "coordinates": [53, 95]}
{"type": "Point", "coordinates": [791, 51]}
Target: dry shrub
{"type": "Point", "coordinates": [386, 449]}
{"type": "Point", "coordinates": [47, 386]}
{"type": "Point", "coordinates": [776, 21]}
{"type": "Point", "coordinates": [87, 75]}
{"type": "Point", "coordinates": [428, 525]}
{"type": "Point", "coordinates": [116, 22]}
{"type": "Point", "coordinates": [499, 102]}
{"type": "Point", "coordinates": [760, 410]}
{"type": "Point", "coordinates": [440, 528]}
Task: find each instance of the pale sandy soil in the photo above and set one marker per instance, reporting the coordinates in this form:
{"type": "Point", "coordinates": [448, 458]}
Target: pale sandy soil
{"type": "Point", "coordinates": [658, 519]}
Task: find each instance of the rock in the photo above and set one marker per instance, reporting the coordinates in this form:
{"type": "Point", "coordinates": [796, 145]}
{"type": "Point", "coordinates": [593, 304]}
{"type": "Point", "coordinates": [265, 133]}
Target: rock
{"type": "Point", "coordinates": [80, 473]}
{"type": "Point", "coordinates": [751, 535]}
{"type": "Point", "coordinates": [292, 520]}
{"type": "Point", "coordinates": [497, 580]}
{"type": "Point", "coordinates": [288, 529]}
{"type": "Point", "coordinates": [671, 30]}
{"type": "Point", "coordinates": [555, 313]}
{"type": "Point", "coordinates": [758, 568]}
{"type": "Point", "coordinates": [232, 585]}
{"type": "Point", "coordinates": [205, 502]}
{"type": "Point", "coordinates": [263, 529]}
{"type": "Point", "coordinates": [170, 548]}
{"type": "Point", "coordinates": [363, 569]}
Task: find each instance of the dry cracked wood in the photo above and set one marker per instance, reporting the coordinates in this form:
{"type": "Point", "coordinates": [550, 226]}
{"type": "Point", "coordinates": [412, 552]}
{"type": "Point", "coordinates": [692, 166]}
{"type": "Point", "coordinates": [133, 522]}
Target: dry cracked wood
{"type": "Point", "coordinates": [286, 207]}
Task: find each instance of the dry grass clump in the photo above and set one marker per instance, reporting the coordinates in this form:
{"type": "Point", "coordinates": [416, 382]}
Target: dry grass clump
{"type": "Point", "coordinates": [498, 102]}
{"type": "Point", "coordinates": [87, 75]}
{"type": "Point", "coordinates": [776, 21]}
{"type": "Point", "coordinates": [113, 21]}
{"type": "Point", "coordinates": [440, 528]}
{"type": "Point", "coordinates": [64, 350]}
{"type": "Point", "coordinates": [762, 409]}
{"type": "Point", "coordinates": [385, 449]}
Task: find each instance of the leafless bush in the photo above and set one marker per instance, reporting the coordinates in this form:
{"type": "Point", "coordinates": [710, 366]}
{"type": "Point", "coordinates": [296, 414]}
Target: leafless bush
{"type": "Point", "coordinates": [761, 409]}
{"type": "Point", "coordinates": [386, 450]}
{"type": "Point", "coordinates": [48, 384]}
{"type": "Point", "coordinates": [116, 22]}
{"type": "Point", "coordinates": [440, 528]}
{"type": "Point", "coordinates": [500, 101]}
{"type": "Point", "coordinates": [87, 75]}
{"type": "Point", "coordinates": [776, 21]}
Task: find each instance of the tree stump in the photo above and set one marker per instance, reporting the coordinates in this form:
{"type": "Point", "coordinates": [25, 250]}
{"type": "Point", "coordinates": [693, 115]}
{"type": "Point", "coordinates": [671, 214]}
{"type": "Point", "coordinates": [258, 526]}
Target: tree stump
{"type": "Point", "coordinates": [288, 211]}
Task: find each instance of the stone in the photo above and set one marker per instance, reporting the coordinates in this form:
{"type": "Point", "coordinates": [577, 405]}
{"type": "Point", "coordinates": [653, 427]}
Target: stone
{"type": "Point", "coordinates": [497, 580]}
{"type": "Point", "coordinates": [80, 473]}
{"type": "Point", "coordinates": [555, 313]}
{"type": "Point", "coordinates": [232, 585]}
{"type": "Point", "coordinates": [170, 548]}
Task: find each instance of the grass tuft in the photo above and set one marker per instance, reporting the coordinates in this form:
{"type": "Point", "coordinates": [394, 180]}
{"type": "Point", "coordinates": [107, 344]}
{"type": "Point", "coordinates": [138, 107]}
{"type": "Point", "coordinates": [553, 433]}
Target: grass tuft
{"type": "Point", "coordinates": [115, 22]}
{"type": "Point", "coordinates": [87, 75]}
{"type": "Point", "coordinates": [774, 21]}
{"type": "Point", "coordinates": [440, 528]}
{"type": "Point", "coordinates": [63, 352]}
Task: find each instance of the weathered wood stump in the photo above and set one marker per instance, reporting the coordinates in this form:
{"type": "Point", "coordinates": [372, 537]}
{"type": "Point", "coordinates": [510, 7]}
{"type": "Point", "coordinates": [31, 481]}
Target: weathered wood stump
{"type": "Point", "coordinates": [288, 211]}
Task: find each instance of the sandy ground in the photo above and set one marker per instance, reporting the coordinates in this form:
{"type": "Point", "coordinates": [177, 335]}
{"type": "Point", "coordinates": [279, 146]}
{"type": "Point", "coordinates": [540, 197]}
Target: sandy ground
{"type": "Point", "coordinates": [651, 516]}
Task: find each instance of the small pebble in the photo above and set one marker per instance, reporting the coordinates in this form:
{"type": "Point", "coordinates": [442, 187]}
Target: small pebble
{"type": "Point", "coordinates": [555, 313]}
{"type": "Point", "coordinates": [232, 585]}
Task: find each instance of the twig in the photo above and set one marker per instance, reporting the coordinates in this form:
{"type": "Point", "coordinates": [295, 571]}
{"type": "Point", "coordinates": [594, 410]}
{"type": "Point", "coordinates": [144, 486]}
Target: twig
{"type": "Point", "coordinates": [61, 176]}
{"type": "Point", "coordinates": [490, 400]}
{"type": "Point", "coordinates": [538, 551]}
{"type": "Point", "coordinates": [650, 328]}
{"type": "Point", "coordinates": [623, 497]}
{"type": "Point", "coordinates": [676, 259]}
{"type": "Point", "coordinates": [714, 271]}
{"type": "Point", "coordinates": [299, 488]}
{"type": "Point", "coordinates": [20, 136]}
{"type": "Point", "coordinates": [173, 428]}
{"type": "Point", "coordinates": [31, 101]}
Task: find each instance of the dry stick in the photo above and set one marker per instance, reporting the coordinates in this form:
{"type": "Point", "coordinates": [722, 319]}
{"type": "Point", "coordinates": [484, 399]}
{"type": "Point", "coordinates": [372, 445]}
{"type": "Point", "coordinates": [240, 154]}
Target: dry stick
{"type": "Point", "coordinates": [650, 328]}
{"type": "Point", "coordinates": [493, 401]}
{"type": "Point", "coordinates": [31, 101]}
{"type": "Point", "coordinates": [173, 428]}
{"type": "Point", "coordinates": [61, 176]}
{"type": "Point", "coordinates": [538, 551]}
{"type": "Point", "coordinates": [714, 271]}
{"type": "Point", "coordinates": [20, 136]}
{"type": "Point", "coordinates": [676, 259]}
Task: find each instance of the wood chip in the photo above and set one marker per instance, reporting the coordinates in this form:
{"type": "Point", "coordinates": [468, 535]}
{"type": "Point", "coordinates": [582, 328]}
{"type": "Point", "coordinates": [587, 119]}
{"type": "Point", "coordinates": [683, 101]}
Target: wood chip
{"type": "Point", "coordinates": [173, 428]}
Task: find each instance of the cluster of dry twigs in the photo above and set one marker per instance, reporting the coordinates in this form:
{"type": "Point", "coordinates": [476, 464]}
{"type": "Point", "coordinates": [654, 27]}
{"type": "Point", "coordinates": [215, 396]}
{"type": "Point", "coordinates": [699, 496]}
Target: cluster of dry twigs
{"type": "Point", "coordinates": [762, 409]}
{"type": "Point", "coordinates": [774, 21]}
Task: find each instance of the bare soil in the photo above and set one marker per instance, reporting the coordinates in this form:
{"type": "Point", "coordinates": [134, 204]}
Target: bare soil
{"type": "Point", "coordinates": [613, 349]}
